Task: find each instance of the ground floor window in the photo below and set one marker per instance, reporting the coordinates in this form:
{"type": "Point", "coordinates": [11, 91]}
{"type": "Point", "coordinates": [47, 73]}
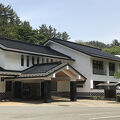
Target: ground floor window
{"type": "Point", "coordinates": [95, 83]}
{"type": "Point", "coordinates": [79, 84]}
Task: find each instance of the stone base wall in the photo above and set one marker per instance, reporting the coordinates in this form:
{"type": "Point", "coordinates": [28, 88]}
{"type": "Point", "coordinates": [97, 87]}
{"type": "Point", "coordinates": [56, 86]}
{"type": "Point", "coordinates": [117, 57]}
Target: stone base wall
{"type": "Point", "coordinates": [5, 96]}
{"type": "Point", "coordinates": [61, 94]}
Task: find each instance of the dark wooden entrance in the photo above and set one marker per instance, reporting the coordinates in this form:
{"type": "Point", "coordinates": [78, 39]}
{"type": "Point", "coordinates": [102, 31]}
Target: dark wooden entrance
{"type": "Point", "coordinates": [110, 92]}
{"type": "Point", "coordinates": [17, 90]}
{"type": "Point", "coordinates": [31, 90]}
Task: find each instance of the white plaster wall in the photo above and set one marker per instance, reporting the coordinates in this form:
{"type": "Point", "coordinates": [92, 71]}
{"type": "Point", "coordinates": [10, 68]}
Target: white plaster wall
{"type": "Point", "coordinates": [2, 86]}
{"type": "Point", "coordinates": [63, 86]}
{"type": "Point", "coordinates": [12, 60]}
{"type": "Point", "coordinates": [2, 58]}
{"type": "Point", "coordinates": [82, 63]}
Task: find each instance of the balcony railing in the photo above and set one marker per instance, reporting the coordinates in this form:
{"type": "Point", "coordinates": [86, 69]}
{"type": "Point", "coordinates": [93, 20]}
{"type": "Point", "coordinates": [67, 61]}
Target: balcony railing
{"type": "Point", "coordinates": [99, 72]}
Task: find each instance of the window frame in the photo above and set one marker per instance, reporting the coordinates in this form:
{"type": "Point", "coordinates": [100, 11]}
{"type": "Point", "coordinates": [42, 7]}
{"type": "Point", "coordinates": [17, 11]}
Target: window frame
{"type": "Point", "coordinates": [47, 60]}
{"type": "Point", "coordinates": [22, 60]}
{"type": "Point", "coordinates": [28, 61]}
{"type": "Point", "coordinates": [111, 71]}
{"type": "Point", "coordinates": [38, 60]}
{"type": "Point", "coordinates": [98, 67]}
{"type": "Point", "coordinates": [33, 60]}
{"type": "Point", "coordinates": [43, 60]}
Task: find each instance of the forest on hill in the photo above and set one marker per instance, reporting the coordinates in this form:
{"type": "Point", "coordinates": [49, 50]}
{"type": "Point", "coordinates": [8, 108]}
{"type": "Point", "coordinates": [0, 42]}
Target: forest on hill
{"type": "Point", "coordinates": [113, 48]}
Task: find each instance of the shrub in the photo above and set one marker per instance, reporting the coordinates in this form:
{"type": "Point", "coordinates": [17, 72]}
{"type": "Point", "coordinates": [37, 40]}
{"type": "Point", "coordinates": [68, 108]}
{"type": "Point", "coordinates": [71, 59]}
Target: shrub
{"type": "Point", "coordinates": [118, 98]}
{"type": "Point", "coordinates": [96, 97]}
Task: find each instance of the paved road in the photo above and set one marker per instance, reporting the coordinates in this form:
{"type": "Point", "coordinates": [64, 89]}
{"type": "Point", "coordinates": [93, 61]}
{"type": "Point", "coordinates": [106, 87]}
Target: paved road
{"type": "Point", "coordinates": [59, 112]}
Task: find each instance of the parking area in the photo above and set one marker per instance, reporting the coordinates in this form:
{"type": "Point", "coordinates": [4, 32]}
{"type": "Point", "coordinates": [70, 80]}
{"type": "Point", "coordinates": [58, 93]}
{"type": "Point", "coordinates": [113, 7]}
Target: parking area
{"type": "Point", "coordinates": [80, 110]}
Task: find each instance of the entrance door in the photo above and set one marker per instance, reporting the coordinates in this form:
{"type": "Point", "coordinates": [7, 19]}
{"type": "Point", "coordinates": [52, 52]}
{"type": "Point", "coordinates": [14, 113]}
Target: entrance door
{"type": "Point", "coordinates": [17, 89]}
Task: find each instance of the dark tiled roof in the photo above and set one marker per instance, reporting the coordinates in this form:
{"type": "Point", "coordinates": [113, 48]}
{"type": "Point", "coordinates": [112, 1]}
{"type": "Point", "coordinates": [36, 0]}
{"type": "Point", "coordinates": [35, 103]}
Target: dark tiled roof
{"type": "Point", "coordinates": [95, 52]}
{"type": "Point", "coordinates": [41, 68]}
{"type": "Point", "coordinates": [22, 46]}
{"type": "Point", "coordinates": [46, 69]}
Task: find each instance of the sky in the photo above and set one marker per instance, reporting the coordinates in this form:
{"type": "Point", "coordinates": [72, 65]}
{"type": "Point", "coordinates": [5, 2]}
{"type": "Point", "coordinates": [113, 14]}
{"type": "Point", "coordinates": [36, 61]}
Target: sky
{"type": "Point", "coordinates": [82, 19]}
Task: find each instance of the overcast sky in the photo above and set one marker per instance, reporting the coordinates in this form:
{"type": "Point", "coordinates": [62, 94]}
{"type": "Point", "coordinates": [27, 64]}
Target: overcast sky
{"type": "Point", "coordinates": [82, 19]}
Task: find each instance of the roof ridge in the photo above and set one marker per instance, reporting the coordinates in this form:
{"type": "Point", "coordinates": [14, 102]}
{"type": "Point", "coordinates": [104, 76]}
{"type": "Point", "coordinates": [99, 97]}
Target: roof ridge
{"type": "Point", "coordinates": [76, 43]}
{"type": "Point", "coordinates": [47, 63]}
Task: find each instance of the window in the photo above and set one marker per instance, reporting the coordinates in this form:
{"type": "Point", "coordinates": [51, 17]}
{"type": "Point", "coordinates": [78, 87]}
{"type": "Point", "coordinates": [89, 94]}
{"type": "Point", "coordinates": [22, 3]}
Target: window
{"type": "Point", "coordinates": [111, 69]}
{"type": "Point", "coordinates": [95, 83]}
{"type": "Point", "coordinates": [51, 60]}
{"type": "Point", "coordinates": [98, 68]}
{"type": "Point", "coordinates": [42, 60]}
{"type": "Point", "coordinates": [27, 61]}
{"type": "Point", "coordinates": [47, 60]}
{"type": "Point", "coordinates": [33, 60]}
{"type": "Point", "coordinates": [8, 86]}
{"type": "Point", "coordinates": [22, 60]}
{"type": "Point", "coordinates": [80, 84]}
{"type": "Point", "coordinates": [38, 60]}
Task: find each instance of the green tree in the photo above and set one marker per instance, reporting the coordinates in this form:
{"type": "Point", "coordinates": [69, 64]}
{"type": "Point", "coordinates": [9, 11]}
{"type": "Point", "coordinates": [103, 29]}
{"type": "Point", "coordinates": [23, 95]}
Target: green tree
{"type": "Point", "coordinates": [115, 43]}
{"type": "Point", "coordinates": [8, 20]}
{"type": "Point", "coordinates": [65, 36]}
{"type": "Point", "coordinates": [24, 32]}
{"type": "Point", "coordinates": [113, 50]}
{"type": "Point", "coordinates": [50, 32]}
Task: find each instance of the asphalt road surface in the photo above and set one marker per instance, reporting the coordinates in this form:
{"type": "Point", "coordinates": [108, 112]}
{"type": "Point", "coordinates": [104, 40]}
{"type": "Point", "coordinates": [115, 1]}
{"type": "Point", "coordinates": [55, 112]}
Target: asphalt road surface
{"type": "Point", "coordinates": [59, 112]}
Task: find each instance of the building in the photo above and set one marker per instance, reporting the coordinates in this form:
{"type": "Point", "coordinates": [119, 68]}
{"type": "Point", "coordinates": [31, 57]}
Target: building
{"type": "Point", "coordinates": [56, 68]}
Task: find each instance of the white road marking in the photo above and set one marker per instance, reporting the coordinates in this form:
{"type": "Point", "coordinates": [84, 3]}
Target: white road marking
{"type": "Point", "coordinates": [98, 118]}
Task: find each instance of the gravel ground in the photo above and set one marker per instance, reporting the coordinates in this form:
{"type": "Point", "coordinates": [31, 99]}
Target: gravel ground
{"type": "Point", "coordinates": [80, 110]}
{"type": "Point", "coordinates": [82, 102]}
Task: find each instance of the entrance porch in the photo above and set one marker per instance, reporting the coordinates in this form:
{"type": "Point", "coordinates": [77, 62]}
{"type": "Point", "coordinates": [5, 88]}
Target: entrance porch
{"type": "Point", "coordinates": [58, 80]}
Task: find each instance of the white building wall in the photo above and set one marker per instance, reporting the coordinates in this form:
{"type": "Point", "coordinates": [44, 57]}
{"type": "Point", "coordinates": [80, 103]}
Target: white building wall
{"type": "Point", "coordinates": [63, 86]}
{"type": "Point", "coordinates": [2, 86]}
{"type": "Point", "coordinates": [82, 63]}
{"type": "Point", "coordinates": [2, 59]}
{"type": "Point", "coordinates": [12, 60]}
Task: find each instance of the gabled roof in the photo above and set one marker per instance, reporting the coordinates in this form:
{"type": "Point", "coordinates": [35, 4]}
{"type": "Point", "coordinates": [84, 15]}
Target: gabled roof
{"type": "Point", "coordinates": [46, 69]}
{"type": "Point", "coordinates": [91, 51]}
{"type": "Point", "coordinates": [18, 46]}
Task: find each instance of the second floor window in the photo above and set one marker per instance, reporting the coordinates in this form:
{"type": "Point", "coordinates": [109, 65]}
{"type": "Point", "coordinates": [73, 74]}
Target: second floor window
{"type": "Point", "coordinates": [51, 60]}
{"type": "Point", "coordinates": [33, 60]}
{"type": "Point", "coordinates": [42, 60]}
{"type": "Point", "coordinates": [22, 60]}
{"type": "Point", "coordinates": [47, 60]}
{"type": "Point", "coordinates": [98, 67]}
{"type": "Point", "coordinates": [38, 60]}
{"type": "Point", "coordinates": [111, 69]}
{"type": "Point", "coordinates": [27, 61]}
